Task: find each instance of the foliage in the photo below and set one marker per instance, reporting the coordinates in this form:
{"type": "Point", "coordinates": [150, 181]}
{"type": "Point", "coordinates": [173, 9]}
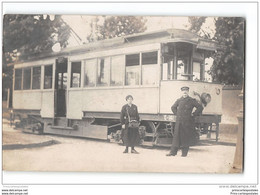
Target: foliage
{"type": "Point", "coordinates": [116, 26]}
{"type": "Point", "coordinates": [228, 65]}
{"type": "Point", "coordinates": [25, 36]}
{"type": "Point", "coordinates": [195, 25]}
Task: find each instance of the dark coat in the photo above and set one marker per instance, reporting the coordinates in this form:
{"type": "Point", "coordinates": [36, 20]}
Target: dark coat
{"type": "Point", "coordinates": [130, 136]}
{"type": "Point", "coordinates": [184, 131]}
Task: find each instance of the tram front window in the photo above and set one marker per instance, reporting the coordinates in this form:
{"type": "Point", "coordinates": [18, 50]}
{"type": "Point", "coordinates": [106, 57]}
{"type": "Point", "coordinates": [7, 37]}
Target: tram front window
{"type": "Point", "coordinates": [182, 69]}
{"type": "Point", "coordinates": [132, 69]}
{"type": "Point", "coordinates": [177, 62]}
{"type": "Point", "coordinates": [196, 71]}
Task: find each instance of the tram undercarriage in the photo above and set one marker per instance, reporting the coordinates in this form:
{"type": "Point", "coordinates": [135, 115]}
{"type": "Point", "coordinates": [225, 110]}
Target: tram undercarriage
{"type": "Point", "coordinates": [152, 133]}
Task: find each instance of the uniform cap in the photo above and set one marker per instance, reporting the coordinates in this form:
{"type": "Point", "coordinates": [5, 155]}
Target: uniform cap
{"type": "Point", "coordinates": [185, 88]}
{"type": "Point", "coordinates": [129, 96]}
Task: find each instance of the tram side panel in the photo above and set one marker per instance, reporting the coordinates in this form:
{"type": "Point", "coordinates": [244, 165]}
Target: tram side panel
{"type": "Point", "coordinates": [170, 92]}
{"type": "Point", "coordinates": [40, 100]}
{"type": "Point", "coordinates": [47, 104]}
{"type": "Point", "coordinates": [112, 100]}
{"type": "Point", "coordinates": [102, 100]}
{"type": "Point", "coordinates": [27, 100]}
{"type": "Point", "coordinates": [75, 104]}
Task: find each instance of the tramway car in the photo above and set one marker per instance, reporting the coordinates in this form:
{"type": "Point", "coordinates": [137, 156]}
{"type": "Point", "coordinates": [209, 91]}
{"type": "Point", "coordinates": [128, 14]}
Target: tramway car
{"type": "Point", "coordinates": [80, 91]}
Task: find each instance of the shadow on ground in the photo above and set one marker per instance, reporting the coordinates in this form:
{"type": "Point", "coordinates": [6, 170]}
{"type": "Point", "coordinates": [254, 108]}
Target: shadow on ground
{"type": "Point", "coordinates": [33, 145]}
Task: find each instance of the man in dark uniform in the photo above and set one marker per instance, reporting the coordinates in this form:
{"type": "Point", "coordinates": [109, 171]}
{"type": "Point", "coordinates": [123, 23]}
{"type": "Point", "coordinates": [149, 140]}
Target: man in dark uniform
{"type": "Point", "coordinates": [130, 136]}
{"type": "Point", "coordinates": [184, 131]}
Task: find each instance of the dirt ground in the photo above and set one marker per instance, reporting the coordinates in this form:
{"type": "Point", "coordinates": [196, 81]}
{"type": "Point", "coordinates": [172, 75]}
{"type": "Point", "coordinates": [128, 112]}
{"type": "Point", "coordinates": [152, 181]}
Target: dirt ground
{"type": "Point", "coordinates": [17, 137]}
{"type": "Point", "coordinates": [80, 154]}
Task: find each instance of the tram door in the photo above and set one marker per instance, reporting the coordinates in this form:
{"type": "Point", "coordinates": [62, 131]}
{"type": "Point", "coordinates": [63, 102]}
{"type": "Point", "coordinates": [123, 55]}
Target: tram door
{"type": "Point", "coordinates": [61, 78]}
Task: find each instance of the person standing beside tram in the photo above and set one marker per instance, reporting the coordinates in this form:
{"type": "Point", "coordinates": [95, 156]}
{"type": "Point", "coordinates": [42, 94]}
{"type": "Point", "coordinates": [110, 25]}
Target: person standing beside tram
{"type": "Point", "coordinates": [184, 131]}
{"type": "Point", "coordinates": [129, 119]}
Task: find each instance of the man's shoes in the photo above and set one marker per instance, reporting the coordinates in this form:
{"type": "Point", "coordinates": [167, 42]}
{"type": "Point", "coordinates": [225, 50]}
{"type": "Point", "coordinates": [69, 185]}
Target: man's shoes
{"type": "Point", "coordinates": [126, 151]}
{"type": "Point", "coordinates": [170, 154]}
{"type": "Point", "coordinates": [184, 151]}
{"type": "Point", "coordinates": [134, 151]}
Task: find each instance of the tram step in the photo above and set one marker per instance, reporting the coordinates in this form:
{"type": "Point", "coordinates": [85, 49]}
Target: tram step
{"type": "Point", "coordinates": [163, 145]}
{"type": "Point", "coordinates": [146, 143]}
{"type": "Point", "coordinates": [62, 127]}
{"type": "Point", "coordinates": [149, 134]}
{"type": "Point", "coordinates": [60, 121]}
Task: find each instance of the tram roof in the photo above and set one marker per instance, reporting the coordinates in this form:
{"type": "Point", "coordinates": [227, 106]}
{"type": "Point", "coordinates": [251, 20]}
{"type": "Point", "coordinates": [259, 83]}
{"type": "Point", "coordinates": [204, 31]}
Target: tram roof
{"type": "Point", "coordinates": [162, 36]}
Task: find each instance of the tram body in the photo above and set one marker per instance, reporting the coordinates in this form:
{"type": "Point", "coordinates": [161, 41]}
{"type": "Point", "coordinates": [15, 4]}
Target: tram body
{"type": "Point", "coordinates": [80, 91]}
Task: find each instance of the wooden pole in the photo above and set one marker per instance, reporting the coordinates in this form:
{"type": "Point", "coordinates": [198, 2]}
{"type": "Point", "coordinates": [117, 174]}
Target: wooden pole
{"type": "Point", "coordinates": [238, 159]}
{"type": "Point", "coordinates": [8, 98]}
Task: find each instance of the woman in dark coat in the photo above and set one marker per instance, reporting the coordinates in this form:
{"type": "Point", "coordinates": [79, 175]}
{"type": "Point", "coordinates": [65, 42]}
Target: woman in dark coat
{"type": "Point", "coordinates": [130, 136]}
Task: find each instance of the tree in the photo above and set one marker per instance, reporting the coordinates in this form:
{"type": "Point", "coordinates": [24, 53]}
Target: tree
{"type": "Point", "coordinates": [116, 26]}
{"type": "Point", "coordinates": [195, 25]}
{"type": "Point", "coordinates": [26, 36]}
{"type": "Point", "coordinates": [228, 65]}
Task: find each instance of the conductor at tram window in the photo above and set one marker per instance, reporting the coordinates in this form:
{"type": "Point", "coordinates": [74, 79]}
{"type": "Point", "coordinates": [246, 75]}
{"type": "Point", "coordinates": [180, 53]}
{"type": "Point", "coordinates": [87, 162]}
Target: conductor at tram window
{"type": "Point", "coordinates": [130, 132]}
{"type": "Point", "coordinates": [184, 131]}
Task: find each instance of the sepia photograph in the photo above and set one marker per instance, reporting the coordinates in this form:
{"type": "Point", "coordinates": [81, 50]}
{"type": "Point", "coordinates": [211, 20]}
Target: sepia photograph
{"type": "Point", "coordinates": [123, 93]}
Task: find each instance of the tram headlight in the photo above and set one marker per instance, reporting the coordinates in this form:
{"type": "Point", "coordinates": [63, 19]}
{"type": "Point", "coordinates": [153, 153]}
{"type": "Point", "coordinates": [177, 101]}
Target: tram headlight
{"type": "Point", "coordinates": [205, 98]}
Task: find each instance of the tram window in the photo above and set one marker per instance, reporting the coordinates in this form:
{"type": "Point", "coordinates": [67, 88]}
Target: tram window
{"type": "Point", "coordinates": [183, 62]}
{"type": "Point", "coordinates": [132, 69]}
{"type": "Point", "coordinates": [89, 73]}
{"type": "Point", "coordinates": [168, 69]}
{"type": "Point", "coordinates": [62, 80]}
{"type": "Point", "coordinates": [132, 60]}
{"type": "Point", "coordinates": [132, 75]}
{"type": "Point", "coordinates": [149, 68]}
{"type": "Point", "coordinates": [149, 58]}
{"type": "Point", "coordinates": [165, 71]}
{"type": "Point", "coordinates": [196, 71]}
{"type": "Point", "coordinates": [18, 79]}
{"type": "Point", "coordinates": [149, 74]}
{"type": "Point", "coordinates": [103, 71]}
{"type": "Point", "coordinates": [117, 70]}
{"type": "Point", "coordinates": [75, 74]}
{"type": "Point", "coordinates": [48, 77]}
{"type": "Point", "coordinates": [27, 78]}
{"type": "Point", "coordinates": [182, 69]}
{"type": "Point", "coordinates": [36, 83]}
